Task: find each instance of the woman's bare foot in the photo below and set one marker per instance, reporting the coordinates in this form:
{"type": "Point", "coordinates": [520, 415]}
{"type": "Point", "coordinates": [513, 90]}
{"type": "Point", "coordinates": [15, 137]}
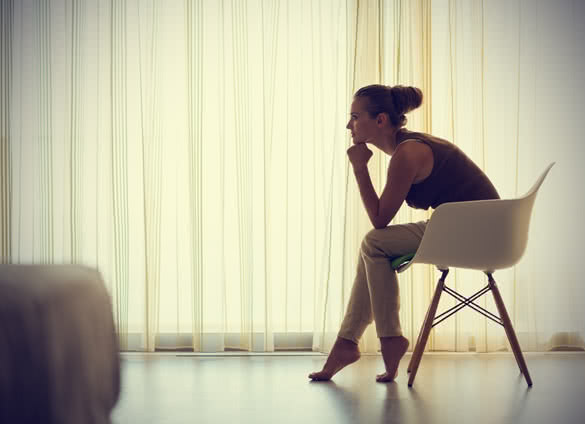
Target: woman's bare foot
{"type": "Point", "coordinates": [343, 353]}
{"type": "Point", "coordinates": [393, 349]}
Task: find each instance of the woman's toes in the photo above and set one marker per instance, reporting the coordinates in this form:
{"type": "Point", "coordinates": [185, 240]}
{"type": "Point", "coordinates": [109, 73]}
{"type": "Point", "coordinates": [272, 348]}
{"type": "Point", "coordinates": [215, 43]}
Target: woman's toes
{"type": "Point", "coordinates": [319, 376]}
{"type": "Point", "coordinates": [384, 378]}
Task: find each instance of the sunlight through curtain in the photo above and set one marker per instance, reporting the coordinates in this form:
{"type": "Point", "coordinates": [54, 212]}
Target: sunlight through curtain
{"type": "Point", "coordinates": [194, 152]}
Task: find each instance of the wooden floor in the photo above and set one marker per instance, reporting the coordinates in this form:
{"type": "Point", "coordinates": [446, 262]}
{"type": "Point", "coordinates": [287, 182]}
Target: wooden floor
{"type": "Point", "coordinates": [449, 388]}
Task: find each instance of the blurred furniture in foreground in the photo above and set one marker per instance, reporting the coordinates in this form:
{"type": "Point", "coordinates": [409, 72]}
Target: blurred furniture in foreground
{"type": "Point", "coordinates": [59, 358]}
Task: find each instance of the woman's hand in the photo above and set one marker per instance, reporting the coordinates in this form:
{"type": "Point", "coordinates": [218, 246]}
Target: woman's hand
{"type": "Point", "coordinates": [359, 155]}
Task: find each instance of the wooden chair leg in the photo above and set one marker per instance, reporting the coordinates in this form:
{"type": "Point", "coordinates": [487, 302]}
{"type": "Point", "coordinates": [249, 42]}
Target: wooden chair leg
{"type": "Point", "coordinates": [424, 323]}
{"type": "Point", "coordinates": [509, 330]}
{"type": "Point", "coordinates": [514, 351]}
{"type": "Point", "coordinates": [428, 324]}
{"type": "Point", "coordinates": [509, 337]}
{"type": "Point", "coordinates": [415, 347]}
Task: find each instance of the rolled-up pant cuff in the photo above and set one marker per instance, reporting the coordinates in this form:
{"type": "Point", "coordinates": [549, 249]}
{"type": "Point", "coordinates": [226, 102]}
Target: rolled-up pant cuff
{"type": "Point", "coordinates": [348, 336]}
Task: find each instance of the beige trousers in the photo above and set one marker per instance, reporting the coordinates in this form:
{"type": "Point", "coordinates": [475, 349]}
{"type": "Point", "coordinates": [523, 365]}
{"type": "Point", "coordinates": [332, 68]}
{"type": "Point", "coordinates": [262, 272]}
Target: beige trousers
{"type": "Point", "coordinates": [375, 296]}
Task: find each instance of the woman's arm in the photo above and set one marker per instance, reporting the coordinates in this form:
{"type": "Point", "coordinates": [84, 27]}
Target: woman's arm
{"type": "Point", "coordinates": [402, 171]}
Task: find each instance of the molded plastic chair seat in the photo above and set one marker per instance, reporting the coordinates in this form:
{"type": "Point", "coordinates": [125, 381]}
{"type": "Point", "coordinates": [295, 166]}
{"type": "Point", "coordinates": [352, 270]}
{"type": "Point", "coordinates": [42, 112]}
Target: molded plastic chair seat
{"type": "Point", "coordinates": [484, 235]}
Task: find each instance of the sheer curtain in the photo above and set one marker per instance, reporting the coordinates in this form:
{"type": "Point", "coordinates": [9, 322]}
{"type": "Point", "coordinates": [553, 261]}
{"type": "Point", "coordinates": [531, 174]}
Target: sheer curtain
{"type": "Point", "coordinates": [194, 151]}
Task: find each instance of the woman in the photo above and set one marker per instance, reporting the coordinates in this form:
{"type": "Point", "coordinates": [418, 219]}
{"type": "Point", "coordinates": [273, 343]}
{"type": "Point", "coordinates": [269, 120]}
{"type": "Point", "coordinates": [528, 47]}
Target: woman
{"type": "Point", "coordinates": [424, 170]}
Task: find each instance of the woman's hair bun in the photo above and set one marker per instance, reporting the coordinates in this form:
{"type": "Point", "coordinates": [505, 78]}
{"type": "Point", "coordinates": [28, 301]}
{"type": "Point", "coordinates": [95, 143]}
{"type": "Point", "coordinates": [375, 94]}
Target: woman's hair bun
{"type": "Point", "coordinates": [395, 101]}
{"type": "Point", "coordinates": [406, 99]}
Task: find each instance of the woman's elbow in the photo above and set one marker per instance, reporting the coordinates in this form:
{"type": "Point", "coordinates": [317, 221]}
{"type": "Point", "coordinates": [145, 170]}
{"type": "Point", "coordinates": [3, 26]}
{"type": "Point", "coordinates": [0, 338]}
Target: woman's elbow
{"type": "Point", "coordinates": [381, 222]}
{"type": "Point", "coordinates": [378, 225]}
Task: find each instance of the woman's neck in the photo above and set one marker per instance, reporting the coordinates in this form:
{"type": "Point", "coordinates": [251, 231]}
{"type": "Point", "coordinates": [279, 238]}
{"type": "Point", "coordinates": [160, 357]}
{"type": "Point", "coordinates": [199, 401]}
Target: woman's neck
{"type": "Point", "coordinates": [390, 142]}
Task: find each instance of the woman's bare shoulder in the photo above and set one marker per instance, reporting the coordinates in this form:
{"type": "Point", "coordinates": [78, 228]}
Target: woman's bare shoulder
{"type": "Point", "coordinates": [413, 146]}
{"type": "Point", "coordinates": [419, 155]}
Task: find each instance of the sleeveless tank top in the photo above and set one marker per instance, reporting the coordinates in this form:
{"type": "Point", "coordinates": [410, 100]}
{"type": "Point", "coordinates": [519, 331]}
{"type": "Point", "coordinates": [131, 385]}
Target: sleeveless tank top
{"type": "Point", "coordinates": [454, 178]}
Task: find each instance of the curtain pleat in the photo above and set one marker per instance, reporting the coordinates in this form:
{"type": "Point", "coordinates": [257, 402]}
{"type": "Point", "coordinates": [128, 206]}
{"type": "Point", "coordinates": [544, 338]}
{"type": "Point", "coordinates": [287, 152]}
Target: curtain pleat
{"type": "Point", "coordinates": [194, 61]}
{"type": "Point", "coordinates": [151, 135]}
{"type": "Point", "coordinates": [6, 66]}
{"type": "Point", "coordinates": [119, 154]}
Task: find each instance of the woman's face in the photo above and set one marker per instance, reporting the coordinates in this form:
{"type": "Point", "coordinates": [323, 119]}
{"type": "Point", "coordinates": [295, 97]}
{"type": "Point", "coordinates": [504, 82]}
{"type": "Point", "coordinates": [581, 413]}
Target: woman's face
{"type": "Point", "coordinates": [362, 127]}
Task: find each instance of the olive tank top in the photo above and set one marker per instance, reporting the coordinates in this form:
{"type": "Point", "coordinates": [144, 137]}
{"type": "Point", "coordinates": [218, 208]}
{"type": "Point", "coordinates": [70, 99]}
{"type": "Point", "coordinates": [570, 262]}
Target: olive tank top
{"type": "Point", "coordinates": [454, 178]}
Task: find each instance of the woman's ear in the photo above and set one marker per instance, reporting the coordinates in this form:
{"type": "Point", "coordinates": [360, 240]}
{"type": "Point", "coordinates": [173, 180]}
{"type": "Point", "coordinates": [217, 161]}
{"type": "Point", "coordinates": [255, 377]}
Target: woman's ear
{"type": "Point", "coordinates": [382, 119]}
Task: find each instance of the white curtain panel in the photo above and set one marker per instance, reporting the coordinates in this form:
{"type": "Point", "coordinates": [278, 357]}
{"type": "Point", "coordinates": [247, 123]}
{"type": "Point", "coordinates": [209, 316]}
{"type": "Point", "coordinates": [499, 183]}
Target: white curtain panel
{"type": "Point", "coordinates": [194, 152]}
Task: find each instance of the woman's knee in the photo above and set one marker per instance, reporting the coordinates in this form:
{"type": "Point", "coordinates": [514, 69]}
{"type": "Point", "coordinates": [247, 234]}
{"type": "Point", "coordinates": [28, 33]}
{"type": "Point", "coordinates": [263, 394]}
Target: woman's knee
{"type": "Point", "coordinates": [370, 243]}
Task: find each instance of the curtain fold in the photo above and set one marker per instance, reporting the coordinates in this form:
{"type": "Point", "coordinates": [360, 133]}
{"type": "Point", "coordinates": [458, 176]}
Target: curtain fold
{"type": "Point", "coordinates": [194, 151]}
{"type": "Point", "coordinates": [6, 11]}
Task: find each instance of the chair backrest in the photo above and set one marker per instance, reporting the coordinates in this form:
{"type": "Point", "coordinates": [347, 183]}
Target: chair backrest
{"type": "Point", "coordinates": [485, 234]}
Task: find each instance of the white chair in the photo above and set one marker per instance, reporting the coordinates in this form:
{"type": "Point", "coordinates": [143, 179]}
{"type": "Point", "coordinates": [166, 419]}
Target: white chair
{"type": "Point", "coordinates": [485, 235]}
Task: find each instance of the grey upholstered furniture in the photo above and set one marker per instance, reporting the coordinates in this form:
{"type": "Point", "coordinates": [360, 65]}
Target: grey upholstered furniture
{"type": "Point", "coordinates": [59, 359]}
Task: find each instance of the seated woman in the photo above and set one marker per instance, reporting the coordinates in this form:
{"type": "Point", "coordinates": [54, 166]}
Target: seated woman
{"type": "Point", "coordinates": [424, 170]}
